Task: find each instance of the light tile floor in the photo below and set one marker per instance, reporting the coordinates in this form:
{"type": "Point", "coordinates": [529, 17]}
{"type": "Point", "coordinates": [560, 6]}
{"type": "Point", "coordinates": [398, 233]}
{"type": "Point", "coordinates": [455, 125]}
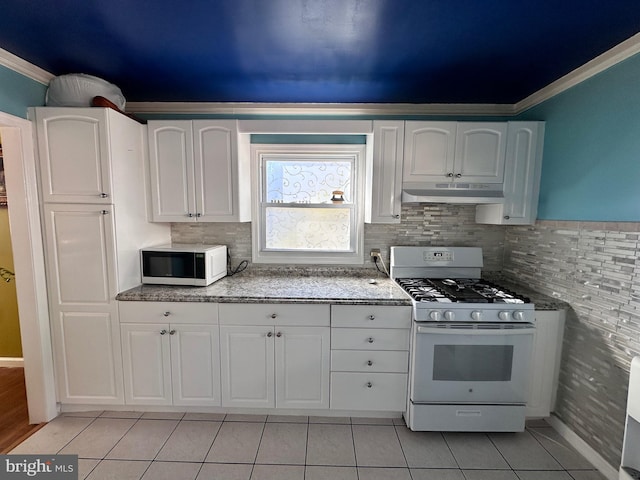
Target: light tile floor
{"type": "Point", "coordinates": [159, 446]}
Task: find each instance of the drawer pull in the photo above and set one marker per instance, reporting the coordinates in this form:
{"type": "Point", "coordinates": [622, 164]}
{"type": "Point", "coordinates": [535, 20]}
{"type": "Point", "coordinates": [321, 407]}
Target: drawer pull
{"type": "Point", "coordinates": [369, 384]}
{"type": "Point", "coordinates": [369, 362]}
{"type": "Point", "coordinates": [166, 314]}
{"type": "Point", "coordinates": [172, 332]}
{"type": "Point", "coordinates": [371, 317]}
{"type": "Point", "coordinates": [163, 332]}
{"type": "Point", "coordinates": [274, 315]}
{"type": "Point", "coordinates": [370, 339]}
{"type": "Point", "coordinates": [270, 334]}
{"type": "Point", "coordinates": [279, 334]}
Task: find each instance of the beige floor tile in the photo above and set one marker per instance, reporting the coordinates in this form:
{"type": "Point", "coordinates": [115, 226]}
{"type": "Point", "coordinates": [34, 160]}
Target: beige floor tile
{"type": "Point", "coordinates": [236, 442]}
{"type": "Point", "coordinates": [172, 471]}
{"type": "Point", "coordinates": [287, 419]}
{"type": "Point", "coordinates": [91, 414]}
{"type": "Point", "coordinates": [85, 466]}
{"type": "Point", "coordinates": [212, 417]}
{"type": "Point", "coordinates": [557, 446]}
{"type": "Point", "coordinates": [542, 475]}
{"type": "Point", "coordinates": [99, 438]}
{"type": "Point", "coordinates": [523, 451]}
{"type": "Point", "coordinates": [586, 475]}
{"type": "Point", "coordinates": [436, 474]}
{"type": "Point", "coordinates": [425, 449]}
{"type": "Point", "coordinates": [118, 470]}
{"type": "Point", "coordinates": [368, 473]}
{"type": "Point", "coordinates": [283, 443]}
{"type": "Point", "coordinates": [333, 420]}
{"type": "Point", "coordinates": [490, 475]}
{"type": "Point", "coordinates": [162, 415]}
{"type": "Point", "coordinates": [53, 436]}
{"type": "Point", "coordinates": [144, 440]}
{"type": "Point", "coordinates": [315, 472]}
{"type": "Point", "coordinates": [377, 446]}
{"type": "Point", "coordinates": [371, 421]}
{"type": "Point", "coordinates": [330, 445]}
{"type": "Point", "coordinates": [475, 451]}
{"type": "Point", "coordinates": [116, 414]}
{"type": "Point", "coordinates": [277, 472]}
{"type": "Point", "coordinates": [224, 471]}
{"type": "Point", "coordinates": [242, 417]}
{"type": "Point", "coordinates": [189, 442]}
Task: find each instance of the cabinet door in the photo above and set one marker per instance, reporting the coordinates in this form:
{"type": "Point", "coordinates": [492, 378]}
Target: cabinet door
{"type": "Point", "coordinates": [172, 171]}
{"type": "Point", "coordinates": [247, 366]}
{"type": "Point", "coordinates": [80, 255]}
{"type": "Point", "coordinates": [386, 184]}
{"type": "Point", "coordinates": [146, 362]}
{"type": "Point", "coordinates": [302, 367]}
{"type": "Point", "coordinates": [216, 169]}
{"type": "Point", "coordinates": [86, 349]}
{"type": "Point", "coordinates": [195, 365]}
{"type": "Point", "coordinates": [74, 155]}
{"type": "Point", "coordinates": [480, 152]}
{"type": "Point", "coordinates": [429, 150]}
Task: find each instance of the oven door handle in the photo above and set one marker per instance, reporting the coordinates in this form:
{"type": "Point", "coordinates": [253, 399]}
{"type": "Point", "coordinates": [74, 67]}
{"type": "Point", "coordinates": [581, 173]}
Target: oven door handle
{"type": "Point", "coordinates": [524, 330]}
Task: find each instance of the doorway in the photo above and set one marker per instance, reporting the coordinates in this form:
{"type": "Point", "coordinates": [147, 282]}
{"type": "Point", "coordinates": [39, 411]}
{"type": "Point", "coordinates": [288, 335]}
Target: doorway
{"type": "Point", "coordinates": [28, 262]}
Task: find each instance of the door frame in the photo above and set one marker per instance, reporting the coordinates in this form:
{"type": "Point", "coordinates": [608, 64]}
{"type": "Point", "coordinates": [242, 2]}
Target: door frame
{"type": "Point", "coordinates": [29, 266]}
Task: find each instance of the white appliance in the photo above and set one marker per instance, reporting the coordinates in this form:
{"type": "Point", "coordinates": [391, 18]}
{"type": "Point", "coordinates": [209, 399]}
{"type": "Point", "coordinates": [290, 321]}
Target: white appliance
{"type": "Point", "coordinates": [630, 464]}
{"type": "Point", "coordinates": [471, 343]}
{"type": "Point", "coordinates": [183, 264]}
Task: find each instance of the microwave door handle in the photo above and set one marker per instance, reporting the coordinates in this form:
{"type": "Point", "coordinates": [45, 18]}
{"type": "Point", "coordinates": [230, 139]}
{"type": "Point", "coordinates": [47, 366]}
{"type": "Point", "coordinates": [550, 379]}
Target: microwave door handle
{"type": "Point", "coordinates": [476, 331]}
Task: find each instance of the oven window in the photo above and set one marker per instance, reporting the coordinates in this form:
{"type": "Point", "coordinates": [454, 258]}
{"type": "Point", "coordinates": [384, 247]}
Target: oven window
{"type": "Point", "coordinates": [473, 363]}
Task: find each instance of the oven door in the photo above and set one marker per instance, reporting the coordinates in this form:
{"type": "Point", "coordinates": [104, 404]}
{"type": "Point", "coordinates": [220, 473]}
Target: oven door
{"type": "Point", "coordinates": [475, 364]}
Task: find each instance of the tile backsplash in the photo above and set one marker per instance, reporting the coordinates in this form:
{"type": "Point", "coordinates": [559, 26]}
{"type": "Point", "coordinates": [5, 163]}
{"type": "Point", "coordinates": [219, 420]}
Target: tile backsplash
{"type": "Point", "coordinates": [594, 267]}
{"type": "Point", "coordinates": [422, 224]}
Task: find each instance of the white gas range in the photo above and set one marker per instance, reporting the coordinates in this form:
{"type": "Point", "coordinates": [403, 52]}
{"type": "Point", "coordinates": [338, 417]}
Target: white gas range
{"type": "Point", "coordinates": [471, 342]}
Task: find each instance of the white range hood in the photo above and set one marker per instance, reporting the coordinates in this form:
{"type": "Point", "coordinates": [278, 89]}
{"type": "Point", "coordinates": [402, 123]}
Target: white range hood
{"type": "Point", "coordinates": [470, 193]}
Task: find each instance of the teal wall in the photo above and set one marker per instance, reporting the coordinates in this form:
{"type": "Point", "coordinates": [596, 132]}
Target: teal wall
{"type": "Point", "coordinates": [591, 163]}
{"type": "Point", "coordinates": [18, 92]}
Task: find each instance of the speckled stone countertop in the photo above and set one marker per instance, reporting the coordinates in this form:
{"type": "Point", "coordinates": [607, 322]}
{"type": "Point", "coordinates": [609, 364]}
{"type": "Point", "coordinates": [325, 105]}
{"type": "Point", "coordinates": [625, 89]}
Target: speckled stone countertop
{"type": "Point", "coordinates": [285, 286]}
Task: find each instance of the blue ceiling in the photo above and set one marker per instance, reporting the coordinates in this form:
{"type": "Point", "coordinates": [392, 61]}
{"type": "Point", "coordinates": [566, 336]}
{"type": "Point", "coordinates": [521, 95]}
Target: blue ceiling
{"type": "Point", "coordinates": [373, 51]}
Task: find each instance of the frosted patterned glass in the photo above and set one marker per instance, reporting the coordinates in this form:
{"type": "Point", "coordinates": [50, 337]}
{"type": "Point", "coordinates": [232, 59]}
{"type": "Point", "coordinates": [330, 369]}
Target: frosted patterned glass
{"type": "Point", "coordinates": [299, 181]}
{"type": "Point", "coordinates": [308, 228]}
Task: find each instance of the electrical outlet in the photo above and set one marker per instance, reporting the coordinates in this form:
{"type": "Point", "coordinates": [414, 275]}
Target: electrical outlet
{"type": "Point", "coordinates": [375, 252]}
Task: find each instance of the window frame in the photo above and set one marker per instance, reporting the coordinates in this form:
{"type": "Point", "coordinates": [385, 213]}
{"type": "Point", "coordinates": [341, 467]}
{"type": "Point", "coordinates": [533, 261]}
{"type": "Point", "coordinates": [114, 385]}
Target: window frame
{"type": "Point", "coordinates": [258, 242]}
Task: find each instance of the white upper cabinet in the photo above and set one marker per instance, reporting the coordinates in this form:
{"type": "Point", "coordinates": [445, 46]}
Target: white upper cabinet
{"type": "Point", "coordinates": [75, 155]}
{"type": "Point", "coordinates": [449, 152]}
{"type": "Point", "coordinates": [386, 181]}
{"type": "Point", "coordinates": [197, 172]}
{"type": "Point", "coordinates": [521, 177]}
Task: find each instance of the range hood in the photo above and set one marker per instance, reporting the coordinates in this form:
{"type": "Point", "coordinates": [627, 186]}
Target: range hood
{"type": "Point", "coordinates": [471, 193]}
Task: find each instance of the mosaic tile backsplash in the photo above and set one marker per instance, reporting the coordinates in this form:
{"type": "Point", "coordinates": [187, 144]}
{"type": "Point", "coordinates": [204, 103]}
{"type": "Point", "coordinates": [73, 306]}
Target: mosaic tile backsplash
{"type": "Point", "coordinates": [594, 267]}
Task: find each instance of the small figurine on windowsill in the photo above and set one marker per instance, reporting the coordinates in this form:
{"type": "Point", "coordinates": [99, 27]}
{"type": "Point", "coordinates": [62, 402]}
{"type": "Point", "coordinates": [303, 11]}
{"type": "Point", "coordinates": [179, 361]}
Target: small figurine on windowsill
{"type": "Point", "coordinates": [337, 196]}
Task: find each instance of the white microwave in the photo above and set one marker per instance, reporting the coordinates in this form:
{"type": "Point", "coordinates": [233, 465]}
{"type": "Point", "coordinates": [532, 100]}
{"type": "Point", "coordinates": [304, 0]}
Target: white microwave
{"type": "Point", "coordinates": [182, 264]}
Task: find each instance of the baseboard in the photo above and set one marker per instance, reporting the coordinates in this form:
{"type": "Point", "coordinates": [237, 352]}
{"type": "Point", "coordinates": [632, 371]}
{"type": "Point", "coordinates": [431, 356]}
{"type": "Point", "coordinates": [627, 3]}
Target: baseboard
{"type": "Point", "coordinates": [11, 362]}
{"type": "Point", "coordinates": [583, 448]}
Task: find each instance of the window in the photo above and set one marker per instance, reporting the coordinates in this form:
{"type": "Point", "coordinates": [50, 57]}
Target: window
{"type": "Point", "coordinates": [309, 207]}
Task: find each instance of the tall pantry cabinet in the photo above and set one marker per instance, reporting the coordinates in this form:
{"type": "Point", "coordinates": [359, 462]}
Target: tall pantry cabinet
{"type": "Point", "coordinates": [95, 221]}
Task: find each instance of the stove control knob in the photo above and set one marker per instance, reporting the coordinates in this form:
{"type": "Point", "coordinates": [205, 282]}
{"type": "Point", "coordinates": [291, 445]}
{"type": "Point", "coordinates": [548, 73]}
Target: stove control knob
{"type": "Point", "coordinates": [449, 316]}
{"type": "Point", "coordinates": [504, 316]}
{"type": "Point", "coordinates": [435, 316]}
{"type": "Point", "coordinates": [519, 316]}
{"type": "Point", "coordinates": [476, 315]}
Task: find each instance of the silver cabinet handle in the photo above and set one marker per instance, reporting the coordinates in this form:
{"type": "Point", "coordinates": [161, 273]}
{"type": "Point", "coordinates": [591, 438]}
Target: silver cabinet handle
{"type": "Point", "coordinates": [166, 314]}
{"type": "Point", "coordinates": [369, 362]}
{"type": "Point", "coordinates": [274, 315]}
{"type": "Point", "coordinates": [371, 317]}
{"type": "Point", "coordinates": [104, 212]}
{"type": "Point", "coordinates": [163, 332]}
{"type": "Point", "coordinates": [370, 339]}
{"type": "Point", "coordinates": [458, 175]}
{"type": "Point", "coordinates": [396, 216]}
{"type": "Point", "coordinates": [270, 334]}
{"type": "Point", "coordinates": [189, 215]}
{"type": "Point", "coordinates": [104, 195]}
{"type": "Point", "coordinates": [507, 217]}
{"type": "Point", "coordinates": [369, 384]}
{"type": "Point", "coordinates": [450, 174]}
{"type": "Point", "coordinates": [172, 332]}
{"type": "Point", "coordinates": [198, 215]}
{"type": "Point", "coordinates": [279, 334]}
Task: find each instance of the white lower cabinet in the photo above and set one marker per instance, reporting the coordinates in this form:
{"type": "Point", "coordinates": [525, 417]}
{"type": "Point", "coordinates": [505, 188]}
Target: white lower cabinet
{"type": "Point", "coordinates": [369, 357]}
{"type": "Point", "coordinates": [172, 363]}
{"type": "Point", "coordinates": [275, 363]}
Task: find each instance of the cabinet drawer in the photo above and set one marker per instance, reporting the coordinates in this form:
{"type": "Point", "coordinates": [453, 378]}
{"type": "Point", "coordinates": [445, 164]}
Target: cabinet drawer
{"type": "Point", "coordinates": [369, 361]}
{"type": "Point", "coordinates": [168, 312]}
{"type": "Point", "coordinates": [368, 391]}
{"type": "Point", "coordinates": [274, 314]}
{"type": "Point", "coordinates": [369, 339]}
{"type": "Point", "coordinates": [370, 316]}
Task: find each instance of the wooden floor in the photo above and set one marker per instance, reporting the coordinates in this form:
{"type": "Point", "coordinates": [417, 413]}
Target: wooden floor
{"type": "Point", "coordinates": [14, 419]}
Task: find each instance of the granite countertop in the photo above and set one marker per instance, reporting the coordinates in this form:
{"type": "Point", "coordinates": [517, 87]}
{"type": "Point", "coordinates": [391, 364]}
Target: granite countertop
{"type": "Point", "coordinates": [540, 300]}
{"type": "Point", "coordinates": [284, 287]}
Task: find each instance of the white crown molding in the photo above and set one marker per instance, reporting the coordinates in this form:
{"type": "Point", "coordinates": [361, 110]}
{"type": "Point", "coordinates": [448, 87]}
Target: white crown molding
{"type": "Point", "coordinates": [617, 54]}
{"type": "Point", "coordinates": [17, 64]}
{"type": "Point", "coordinates": [324, 109]}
